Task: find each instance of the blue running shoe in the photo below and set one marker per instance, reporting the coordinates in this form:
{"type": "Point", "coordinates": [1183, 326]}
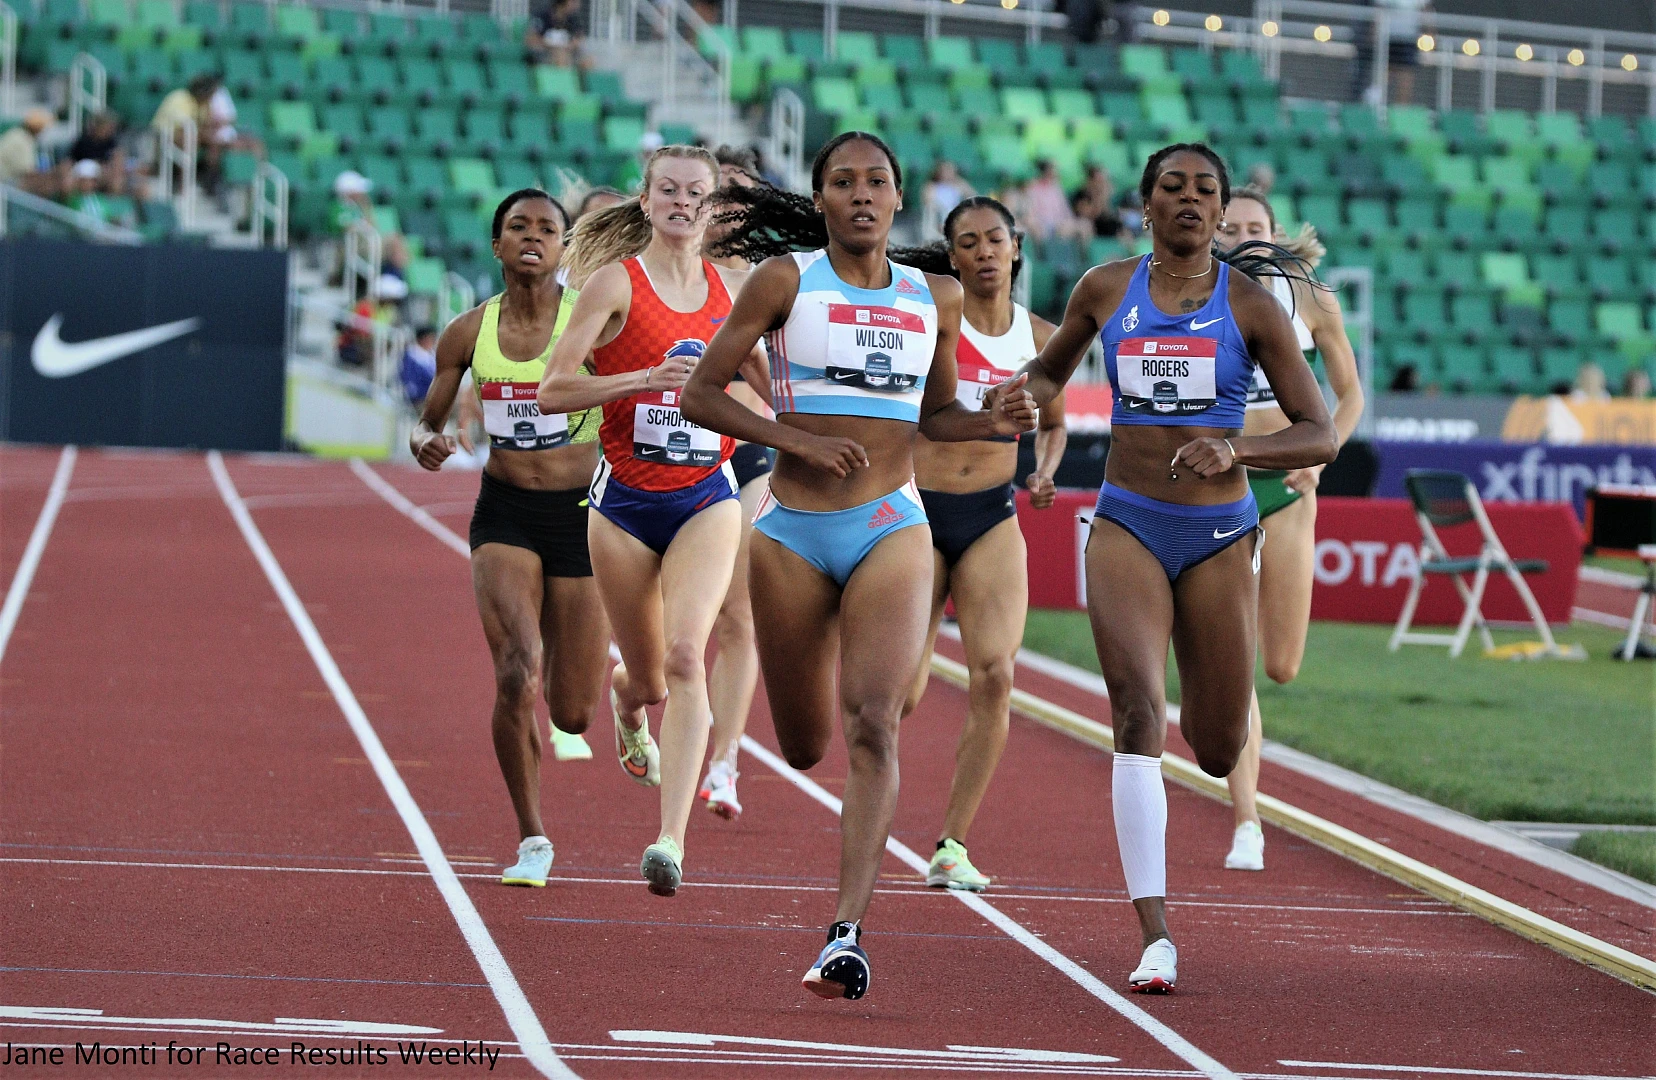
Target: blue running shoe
{"type": "Point", "coordinates": [841, 970]}
{"type": "Point", "coordinates": [534, 863]}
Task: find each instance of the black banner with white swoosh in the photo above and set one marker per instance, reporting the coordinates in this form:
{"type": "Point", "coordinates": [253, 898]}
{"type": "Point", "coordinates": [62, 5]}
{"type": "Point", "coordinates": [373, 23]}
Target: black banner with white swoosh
{"type": "Point", "coordinates": [162, 345]}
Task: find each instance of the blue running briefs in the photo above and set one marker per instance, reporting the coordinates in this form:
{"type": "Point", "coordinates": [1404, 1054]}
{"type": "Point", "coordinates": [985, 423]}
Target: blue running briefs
{"type": "Point", "coordinates": [837, 541]}
{"type": "Point", "coordinates": [1178, 535]}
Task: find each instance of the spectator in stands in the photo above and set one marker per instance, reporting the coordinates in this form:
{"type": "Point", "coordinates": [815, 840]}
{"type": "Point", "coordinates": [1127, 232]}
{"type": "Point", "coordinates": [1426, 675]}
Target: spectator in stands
{"type": "Point", "coordinates": [554, 33]}
{"type": "Point", "coordinates": [22, 163]}
{"type": "Point", "coordinates": [1050, 213]}
{"type": "Point", "coordinates": [1087, 18]}
{"type": "Point", "coordinates": [1403, 29]}
{"type": "Point", "coordinates": [1094, 205]}
{"type": "Point", "coordinates": [1262, 176]}
{"type": "Point", "coordinates": [206, 103]}
{"type": "Point", "coordinates": [1590, 383]}
{"type": "Point", "coordinates": [943, 192]}
{"type": "Point", "coordinates": [597, 199]}
{"type": "Point", "coordinates": [83, 194]}
{"type": "Point", "coordinates": [352, 204]}
{"type": "Point", "coordinates": [419, 365]}
{"type": "Point", "coordinates": [100, 144]}
{"type": "Point", "coordinates": [1636, 384]}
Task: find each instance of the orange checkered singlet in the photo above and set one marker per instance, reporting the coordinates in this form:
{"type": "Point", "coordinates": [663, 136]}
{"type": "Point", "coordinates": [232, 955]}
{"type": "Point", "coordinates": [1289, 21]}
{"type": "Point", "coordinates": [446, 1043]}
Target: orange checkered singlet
{"type": "Point", "coordinates": [647, 444]}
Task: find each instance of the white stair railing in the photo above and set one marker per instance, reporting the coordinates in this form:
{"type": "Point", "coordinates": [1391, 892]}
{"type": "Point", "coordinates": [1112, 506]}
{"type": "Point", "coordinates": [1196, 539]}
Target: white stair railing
{"type": "Point", "coordinates": [1359, 316]}
{"type": "Point", "coordinates": [787, 139]}
{"type": "Point", "coordinates": [270, 205]}
{"type": "Point", "coordinates": [8, 60]}
{"type": "Point", "coordinates": [455, 297]}
{"type": "Point", "coordinates": [175, 163]}
{"type": "Point", "coordinates": [666, 22]}
{"type": "Point", "coordinates": [364, 261]}
{"type": "Point", "coordinates": [83, 224]}
{"type": "Point", "coordinates": [88, 89]}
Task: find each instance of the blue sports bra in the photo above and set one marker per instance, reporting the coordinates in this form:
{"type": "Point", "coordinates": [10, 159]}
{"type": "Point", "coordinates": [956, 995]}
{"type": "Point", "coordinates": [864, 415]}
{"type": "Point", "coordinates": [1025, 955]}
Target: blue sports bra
{"type": "Point", "coordinates": [1189, 370]}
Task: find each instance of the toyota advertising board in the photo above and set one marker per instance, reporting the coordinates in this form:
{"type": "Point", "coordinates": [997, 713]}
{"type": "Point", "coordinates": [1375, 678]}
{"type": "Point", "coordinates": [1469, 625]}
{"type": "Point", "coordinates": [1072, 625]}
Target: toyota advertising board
{"type": "Point", "coordinates": [160, 345]}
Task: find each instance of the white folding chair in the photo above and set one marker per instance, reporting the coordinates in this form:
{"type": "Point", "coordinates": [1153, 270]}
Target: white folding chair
{"type": "Point", "coordinates": [1443, 499]}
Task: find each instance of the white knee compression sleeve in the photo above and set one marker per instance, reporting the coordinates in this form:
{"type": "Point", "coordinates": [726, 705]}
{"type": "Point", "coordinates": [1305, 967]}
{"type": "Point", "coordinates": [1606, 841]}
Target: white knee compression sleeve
{"type": "Point", "coordinates": [1140, 803]}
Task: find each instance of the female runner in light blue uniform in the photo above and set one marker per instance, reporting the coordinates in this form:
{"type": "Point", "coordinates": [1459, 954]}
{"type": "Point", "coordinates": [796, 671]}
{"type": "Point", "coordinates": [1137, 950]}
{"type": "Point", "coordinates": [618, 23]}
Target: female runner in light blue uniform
{"type": "Point", "coordinates": [1174, 547]}
{"type": "Point", "coordinates": [841, 565]}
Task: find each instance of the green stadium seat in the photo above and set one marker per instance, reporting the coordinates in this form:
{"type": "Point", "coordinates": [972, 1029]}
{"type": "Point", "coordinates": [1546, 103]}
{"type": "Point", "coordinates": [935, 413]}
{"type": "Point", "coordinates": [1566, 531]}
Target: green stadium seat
{"type": "Point", "coordinates": [1144, 61]}
{"type": "Point", "coordinates": [584, 107]}
{"type": "Point", "coordinates": [1123, 108]}
{"type": "Point", "coordinates": [764, 41]}
{"type": "Point", "coordinates": [511, 81]}
{"type": "Point", "coordinates": [978, 102]}
{"type": "Point", "coordinates": [1046, 134]}
{"type": "Point", "coordinates": [1319, 210]}
{"type": "Point", "coordinates": [1242, 67]}
{"type": "Point", "coordinates": [1513, 369]}
{"type": "Point", "coordinates": [437, 127]}
{"type": "Point", "coordinates": [1216, 111]}
{"type": "Point", "coordinates": [294, 21]}
{"type": "Point", "coordinates": [390, 124]}
{"type": "Point", "coordinates": [1410, 122]}
{"type": "Point", "coordinates": [1559, 365]}
{"type": "Point", "coordinates": [388, 31]}
{"type": "Point", "coordinates": [905, 50]}
{"type": "Point", "coordinates": [287, 70]}
{"type": "Point", "coordinates": [874, 73]}
{"type": "Point", "coordinates": [856, 46]}
{"type": "Point", "coordinates": [1359, 120]}
{"type": "Point", "coordinates": [883, 99]}
{"type": "Point", "coordinates": [1472, 310]}
{"type": "Point", "coordinates": [1558, 128]}
{"type": "Point", "coordinates": [834, 96]}
{"type": "Point", "coordinates": [1566, 222]}
{"type": "Point", "coordinates": [557, 83]}
{"type": "Point", "coordinates": [292, 119]}
{"type": "Point", "coordinates": [1509, 126]}
{"type": "Point", "coordinates": [1615, 224]}
{"type": "Point", "coordinates": [716, 38]}
{"type": "Point", "coordinates": [1463, 366]}
{"type": "Point", "coordinates": [950, 52]}
{"type": "Point", "coordinates": [928, 97]}
{"type": "Point", "coordinates": [1167, 110]}
{"type": "Point", "coordinates": [485, 130]}
{"type": "Point", "coordinates": [1023, 103]}
{"type": "Point", "coordinates": [1071, 104]}
{"type": "Point", "coordinates": [471, 176]}
{"type": "Point", "coordinates": [1610, 277]}
{"type": "Point", "coordinates": [807, 44]}
{"type": "Point", "coordinates": [1570, 318]}
{"type": "Point", "coordinates": [623, 133]}
{"type": "Point", "coordinates": [606, 85]}
{"type": "Point", "coordinates": [377, 76]}
{"type": "Point", "coordinates": [1557, 271]}
{"type": "Point", "coordinates": [785, 69]}
{"type": "Point", "coordinates": [1368, 215]}
{"type": "Point", "coordinates": [1455, 173]}
{"type": "Point", "coordinates": [344, 118]}
{"type": "Point", "coordinates": [971, 77]}
{"type": "Point", "coordinates": [517, 174]}
{"type": "Point", "coordinates": [1620, 321]}
{"type": "Point", "coordinates": [465, 79]}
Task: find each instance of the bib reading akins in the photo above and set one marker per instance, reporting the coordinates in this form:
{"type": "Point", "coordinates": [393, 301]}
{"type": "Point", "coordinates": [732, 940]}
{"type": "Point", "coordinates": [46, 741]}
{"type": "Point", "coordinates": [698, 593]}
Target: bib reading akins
{"type": "Point", "coordinates": [648, 443]}
{"type": "Point", "coordinates": [515, 422]}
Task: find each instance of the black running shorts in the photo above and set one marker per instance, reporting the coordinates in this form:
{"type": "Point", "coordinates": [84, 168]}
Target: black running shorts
{"type": "Point", "coordinates": [552, 524]}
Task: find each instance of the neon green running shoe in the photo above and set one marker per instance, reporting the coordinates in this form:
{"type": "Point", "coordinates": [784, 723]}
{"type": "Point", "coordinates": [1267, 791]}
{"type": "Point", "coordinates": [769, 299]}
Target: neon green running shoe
{"type": "Point", "coordinates": [662, 866]}
{"type": "Point", "coordinates": [951, 869]}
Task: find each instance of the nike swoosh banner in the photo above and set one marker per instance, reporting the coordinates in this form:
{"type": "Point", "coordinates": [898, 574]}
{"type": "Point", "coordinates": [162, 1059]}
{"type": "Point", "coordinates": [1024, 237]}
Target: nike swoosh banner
{"type": "Point", "coordinates": [160, 345]}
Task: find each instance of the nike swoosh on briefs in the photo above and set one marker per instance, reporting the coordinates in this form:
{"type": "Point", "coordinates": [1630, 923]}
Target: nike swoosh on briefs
{"type": "Point", "coordinates": [1194, 325]}
{"type": "Point", "coordinates": [1217, 535]}
{"type": "Point", "coordinates": [55, 358]}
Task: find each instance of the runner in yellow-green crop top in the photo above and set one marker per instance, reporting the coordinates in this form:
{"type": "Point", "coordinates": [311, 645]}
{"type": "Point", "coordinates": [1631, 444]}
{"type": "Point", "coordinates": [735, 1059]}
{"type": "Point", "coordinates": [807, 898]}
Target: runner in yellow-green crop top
{"type": "Point", "coordinates": [541, 613]}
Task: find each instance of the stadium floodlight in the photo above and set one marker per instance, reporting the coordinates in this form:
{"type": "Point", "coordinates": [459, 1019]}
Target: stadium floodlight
{"type": "Point", "coordinates": [1323, 33]}
{"type": "Point", "coordinates": [1009, 4]}
{"type": "Point", "coordinates": [1161, 18]}
{"type": "Point", "coordinates": [1426, 43]}
{"type": "Point", "coordinates": [1630, 62]}
{"type": "Point", "coordinates": [1269, 28]}
{"type": "Point", "coordinates": [1524, 52]}
{"type": "Point", "coordinates": [1471, 47]}
{"type": "Point", "coordinates": [1214, 23]}
{"type": "Point", "coordinates": [1576, 57]}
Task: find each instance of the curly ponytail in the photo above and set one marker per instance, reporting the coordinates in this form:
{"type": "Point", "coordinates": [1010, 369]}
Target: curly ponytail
{"type": "Point", "coordinates": [621, 231]}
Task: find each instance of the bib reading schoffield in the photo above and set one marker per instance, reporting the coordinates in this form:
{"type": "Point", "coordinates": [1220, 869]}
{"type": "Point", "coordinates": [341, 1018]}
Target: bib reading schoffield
{"type": "Point", "coordinates": [876, 348]}
{"type": "Point", "coordinates": [662, 435]}
{"type": "Point", "coordinates": [1169, 375]}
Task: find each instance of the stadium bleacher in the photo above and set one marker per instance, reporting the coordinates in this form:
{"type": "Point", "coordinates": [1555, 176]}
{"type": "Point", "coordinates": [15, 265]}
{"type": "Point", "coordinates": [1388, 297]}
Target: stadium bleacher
{"type": "Point", "coordinates": [1506, 248]}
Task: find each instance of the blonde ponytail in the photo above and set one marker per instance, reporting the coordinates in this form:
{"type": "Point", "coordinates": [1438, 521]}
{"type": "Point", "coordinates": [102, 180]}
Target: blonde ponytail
{"type": "Point", "coordinates": [1306, 244]}
{"type": "Point", "coordinates": [622, 231]}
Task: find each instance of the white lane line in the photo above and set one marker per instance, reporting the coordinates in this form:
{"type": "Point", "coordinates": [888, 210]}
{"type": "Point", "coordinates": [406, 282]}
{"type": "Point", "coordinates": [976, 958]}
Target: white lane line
{"type": "Point", "coordinates": [520, 1015]}
{"type": "Point", "coordinates": [1177, 1044]}
{"type": "Point", "coordinates": [1157, 1030]}
{"type": "Point", "coordinates": [1446, 1071]}
{"type": "Point", "coordinates": [383, 488]}
{"type": "Point", "coordinates": [37, 546]}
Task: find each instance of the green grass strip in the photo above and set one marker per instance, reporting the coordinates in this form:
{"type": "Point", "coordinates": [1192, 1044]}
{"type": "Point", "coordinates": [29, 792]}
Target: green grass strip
{"type": "Point", "coordinates": [1634, 854]}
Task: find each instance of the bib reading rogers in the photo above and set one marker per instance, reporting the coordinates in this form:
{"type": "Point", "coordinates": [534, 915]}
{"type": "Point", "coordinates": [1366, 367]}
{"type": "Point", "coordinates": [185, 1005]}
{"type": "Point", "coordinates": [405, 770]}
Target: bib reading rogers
{"type": "Point", "coordinates": [1167, 375]}
{"type": "Point", "coordinates": [662, 435]}
{"type": "Point", "coordinates": [876, 348]}
{"type": "Point", "coordinates": [515, 422]}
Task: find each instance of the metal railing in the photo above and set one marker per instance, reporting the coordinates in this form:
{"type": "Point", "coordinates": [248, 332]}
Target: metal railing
{"type": "Point", "coordinates": [18, 206]}
{"type": "Point", "coordinates": [175, 166]}
{"type": "Point", "coordinates": [1356, 283]}
{"type": "Point", "coordinates": [786, 151]}
{"type": "Point", "coordinates": [88, 89]}
{"type": "Point", "coordinates": [8, 60]}
{"type": "Point", "coordinates": [455, 297]}
{"type": "Point", "coordinates": [1031, 17]}
{"type": "Point", "coordinates": [269, 211]}
{"type": "Point", "coordinates": [387, 341]}
{"type": "Point", "coordinates": [364, 260]}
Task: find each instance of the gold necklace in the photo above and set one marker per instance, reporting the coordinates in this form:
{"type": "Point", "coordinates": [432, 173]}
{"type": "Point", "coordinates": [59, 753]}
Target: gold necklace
{"type": "Point", "coordinates": [1155, 264]}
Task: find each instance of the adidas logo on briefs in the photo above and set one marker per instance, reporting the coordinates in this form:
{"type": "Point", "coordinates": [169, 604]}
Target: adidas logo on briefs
{"type": "Point", "coordinates": [903, 286]}
{"type": "Point", "coordinates": [885, 515]}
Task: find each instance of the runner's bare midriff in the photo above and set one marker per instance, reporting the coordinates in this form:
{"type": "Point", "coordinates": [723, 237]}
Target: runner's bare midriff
{"type": "Point", "coordinates": [888, 443]}
{"type": "Point", "coordinates": [1140, 456]}
{"type": "Point", "coordinates": [558, 469]}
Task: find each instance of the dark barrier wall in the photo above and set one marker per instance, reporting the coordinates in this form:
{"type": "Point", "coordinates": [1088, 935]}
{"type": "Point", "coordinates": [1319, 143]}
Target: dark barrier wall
{"type": "Point", "coordinates": [1352, 473]}
{"type": "Point", "coordinates": [1520, 472]}
{"type": "Point", "coordinates": [142, 346]}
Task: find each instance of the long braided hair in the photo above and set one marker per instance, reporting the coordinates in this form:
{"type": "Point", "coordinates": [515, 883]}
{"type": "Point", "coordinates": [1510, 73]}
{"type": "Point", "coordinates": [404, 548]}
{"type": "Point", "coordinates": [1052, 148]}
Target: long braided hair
{"type": "Point", "coordinates": [1256, 258]}
{"type": "Point", "coordinates": [621, 231]}
{"type": "Point", "coordinates": [934, 258]}
{"type": "Point", "coordinates": [766, 221]}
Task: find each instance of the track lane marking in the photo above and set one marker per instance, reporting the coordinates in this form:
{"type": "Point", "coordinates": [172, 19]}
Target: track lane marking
{"type": "Point", "coordinates": [1169, 1039]}
{"type": "Point", "coordinates": [1595, 952]}
{"type": "Point", "coordinates": [1447, 1071]}
{"type": "Point", "coordinates": [24, 577]}
{"type": "Point", "coordinates": [520, 1015]}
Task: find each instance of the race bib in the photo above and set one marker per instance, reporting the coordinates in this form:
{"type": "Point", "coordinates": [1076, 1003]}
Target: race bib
{"type": "Point", "coordinates": [662, 435]}
{"type": "Point", "coordinates": [515, 422]}
{"type": "Point", "coordinates": [1167, 375]}
{"type": "Point", "coordinates": [876, 348]}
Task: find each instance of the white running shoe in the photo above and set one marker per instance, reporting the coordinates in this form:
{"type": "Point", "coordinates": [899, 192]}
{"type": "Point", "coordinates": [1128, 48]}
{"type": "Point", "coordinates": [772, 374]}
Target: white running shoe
{"type": "Point", "coordinates": [640, 758]}
{"type": "Point", "coordinates": [718, 791]}
{"type": "Point", "coordinates": [1247, 848]}
{"type": "Point", "coordinates": [567, 747]}
{"type": "Point", "coordinates": [1158, 969]}
{"type": "Point", "coordinates": [534, 863]}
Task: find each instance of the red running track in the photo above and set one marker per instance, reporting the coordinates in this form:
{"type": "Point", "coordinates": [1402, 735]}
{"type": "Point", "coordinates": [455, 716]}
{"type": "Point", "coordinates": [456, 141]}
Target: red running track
{"type": "Point", "coordinates": [196, 846]}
